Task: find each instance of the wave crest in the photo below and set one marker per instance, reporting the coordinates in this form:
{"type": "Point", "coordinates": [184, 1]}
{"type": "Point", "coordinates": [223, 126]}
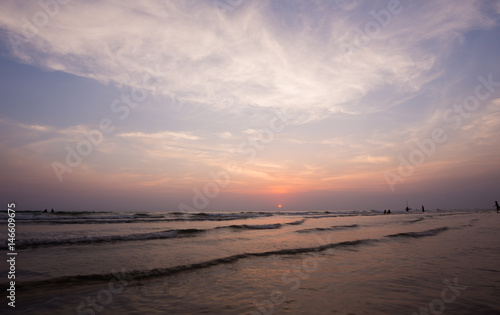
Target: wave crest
{"type": "Point", "coordinates": [332, 228]}
{"type": "Point", "coordinates": [420, 234]}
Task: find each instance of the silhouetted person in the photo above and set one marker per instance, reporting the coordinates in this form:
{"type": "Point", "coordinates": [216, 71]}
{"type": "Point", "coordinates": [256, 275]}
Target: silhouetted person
{"type": "Point", "coordinates": [407, 209]}
{"type": "Point", "coordinates": [45, 211]}
{"type": "Point", "coordinates": [497, 206]}
{"type": "Point", "coordinates": [52, 210]}
{"type": "Point", "coordinates": [389, 211]}
{"type": "Point", "coordinates": [385, 211]}
{"type": "Point", "coordinates": [423, 209]}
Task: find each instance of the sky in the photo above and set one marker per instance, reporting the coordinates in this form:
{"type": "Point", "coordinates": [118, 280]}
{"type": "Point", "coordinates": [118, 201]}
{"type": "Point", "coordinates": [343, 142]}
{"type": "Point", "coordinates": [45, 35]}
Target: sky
{"type": "Point", "coordinates": [238, 105]}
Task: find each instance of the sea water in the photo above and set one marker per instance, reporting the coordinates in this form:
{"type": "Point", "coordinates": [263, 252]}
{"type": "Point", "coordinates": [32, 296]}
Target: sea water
{"type": "Point", "coordinates": [350, 262]}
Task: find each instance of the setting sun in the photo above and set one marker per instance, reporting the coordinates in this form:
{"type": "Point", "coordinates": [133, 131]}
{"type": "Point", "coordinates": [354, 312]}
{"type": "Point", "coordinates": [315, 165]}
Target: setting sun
{"type": "Point", "coordinates": [279, 206]}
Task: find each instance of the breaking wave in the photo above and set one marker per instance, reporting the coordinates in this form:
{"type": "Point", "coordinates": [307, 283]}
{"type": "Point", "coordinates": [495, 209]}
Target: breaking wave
{"type": "Point", "coordinates": [420, 234]}
{"type": "Point", "coordinates": [332, 228]}
{"type": "Point", "coordinates": [107, 238]}
{"type": "Point", "coordinates": [142, 236]}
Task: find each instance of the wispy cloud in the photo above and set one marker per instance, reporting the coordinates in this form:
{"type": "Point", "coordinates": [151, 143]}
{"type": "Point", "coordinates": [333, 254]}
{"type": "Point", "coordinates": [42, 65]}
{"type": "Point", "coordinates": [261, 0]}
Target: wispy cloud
{"type": "Point", "coordinates": [259, 55]}
{"type": "Point", "coordinates": [370, 159]}
{"type": "Point", "coordinates": [161, 135]}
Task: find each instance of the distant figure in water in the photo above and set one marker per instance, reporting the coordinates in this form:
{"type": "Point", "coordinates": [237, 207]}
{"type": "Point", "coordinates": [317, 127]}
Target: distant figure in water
{"type": "Point", "coordinates": [407, 209]}
{"type": "Point", "coordinates": [385, 211]}
{"type": "Point", "coordinates": [52, 210]}
{"type": "Point", "coordinates": [389, 211]}
{"type": "Point", "coordinates": [497, 206]}
{"type": "Point", "coordinates": [45, 211]}
{"type": "Point", "coordinates": [423, 209]}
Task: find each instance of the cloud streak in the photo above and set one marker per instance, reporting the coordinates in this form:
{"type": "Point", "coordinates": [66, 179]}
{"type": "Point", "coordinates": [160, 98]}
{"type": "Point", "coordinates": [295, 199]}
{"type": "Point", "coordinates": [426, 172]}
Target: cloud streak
{"type": "Point", "coordinates": [260, 54]}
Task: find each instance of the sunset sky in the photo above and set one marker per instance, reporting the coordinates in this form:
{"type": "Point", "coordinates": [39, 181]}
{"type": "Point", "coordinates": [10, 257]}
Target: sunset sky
{"type": "Point", "coordinates": [244, 105]}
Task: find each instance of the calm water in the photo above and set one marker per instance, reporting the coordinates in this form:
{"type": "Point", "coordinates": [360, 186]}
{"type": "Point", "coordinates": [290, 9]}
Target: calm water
{"type": "Point", "coordinates": [256, 263]}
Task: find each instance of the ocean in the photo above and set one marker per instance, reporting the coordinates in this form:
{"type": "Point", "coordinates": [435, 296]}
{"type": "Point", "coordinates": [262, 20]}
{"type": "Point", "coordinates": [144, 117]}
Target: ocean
{"type": "Point", "coordinates": [329, 262]}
